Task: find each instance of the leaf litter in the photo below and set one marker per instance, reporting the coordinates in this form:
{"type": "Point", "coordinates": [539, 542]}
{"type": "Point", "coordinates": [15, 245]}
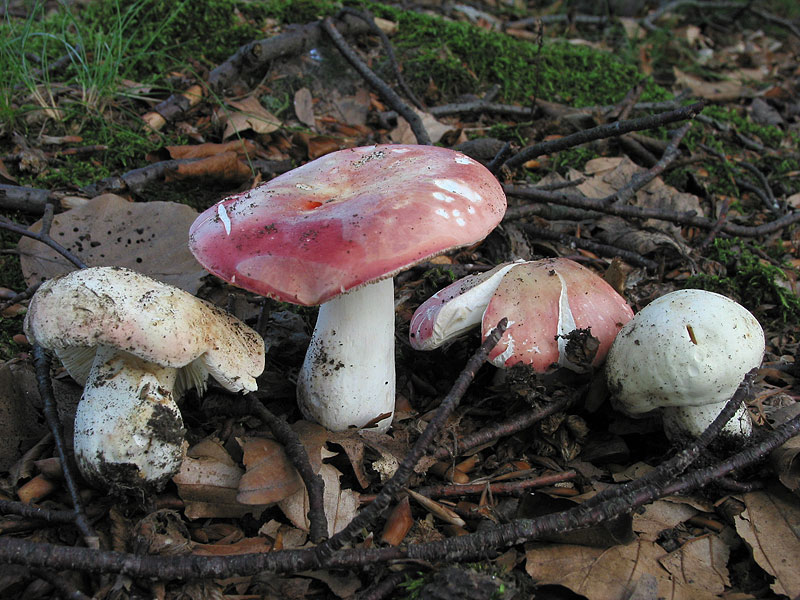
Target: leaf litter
{"type": "Point", "coordinates": [669, 558]}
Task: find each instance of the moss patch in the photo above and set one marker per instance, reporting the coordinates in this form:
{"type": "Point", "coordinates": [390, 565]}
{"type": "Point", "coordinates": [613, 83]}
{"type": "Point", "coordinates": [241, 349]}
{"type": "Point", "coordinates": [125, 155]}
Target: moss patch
{"type": "Point", "coordinates": [749, 279]}
{"type": "Point", "coordinates": [459, 58]}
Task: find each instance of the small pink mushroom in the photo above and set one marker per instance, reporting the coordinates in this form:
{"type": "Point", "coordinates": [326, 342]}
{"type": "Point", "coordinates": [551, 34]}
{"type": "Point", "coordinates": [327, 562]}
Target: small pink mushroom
{"type": "Point", "coordinates": [333, 232]}
{"type": "Point", "coordinates": [544, 301]}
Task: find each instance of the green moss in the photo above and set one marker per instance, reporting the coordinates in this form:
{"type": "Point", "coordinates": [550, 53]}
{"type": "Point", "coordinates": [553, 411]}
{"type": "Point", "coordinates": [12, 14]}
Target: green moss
{"type": "Point", "coordinates": [460, 58]}
{"type": "Point", "coordinates": [767, 134]}
{"type": "Point", "coordinates": [750, 280]}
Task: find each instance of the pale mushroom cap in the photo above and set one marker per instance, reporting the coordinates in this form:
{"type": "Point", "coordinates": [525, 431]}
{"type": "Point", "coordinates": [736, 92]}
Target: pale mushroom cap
{"type": "Point", "coordinates": [687, 348]}
{"type": "Point", "coordinates": [455, 309]}
{"type": "Point", "coordinates": [346, 219]}
{"type": "Point", "coordinates": [548, 298]}
{"type": "Point", "coordinates": [122, 309]}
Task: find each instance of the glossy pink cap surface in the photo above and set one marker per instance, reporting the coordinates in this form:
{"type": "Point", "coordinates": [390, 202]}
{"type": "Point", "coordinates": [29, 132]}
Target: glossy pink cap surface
{"type": "Point", "coordinates": [530, 296]}
{"type": "Point", "coordinates": [346, 219]}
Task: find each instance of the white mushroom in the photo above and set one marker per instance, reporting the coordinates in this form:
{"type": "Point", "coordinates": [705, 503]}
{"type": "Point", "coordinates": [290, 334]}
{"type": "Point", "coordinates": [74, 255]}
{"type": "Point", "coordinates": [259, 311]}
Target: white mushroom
{"type": "Point", "coordinates": [685, 352]}
{"type": "Point", "coordinates": [137, 345]}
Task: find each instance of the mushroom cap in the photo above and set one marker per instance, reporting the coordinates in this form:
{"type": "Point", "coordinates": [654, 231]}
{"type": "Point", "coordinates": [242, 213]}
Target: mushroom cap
{"type": "Point", "coordinates": [687, 348]}
{"type": "Point", "coordinates": [455, 309]}
{"type": "Point", "coordinates": [159, 323]}
{"type": "Point", "coordinates": [346, 219]}
{"type": "Point", "coordinates": [546, 299]}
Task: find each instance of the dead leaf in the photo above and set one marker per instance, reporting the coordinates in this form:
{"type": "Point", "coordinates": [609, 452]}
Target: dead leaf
{"type": "Point", "coordinates": [148, 237]}
{"type": "Point", "coordinates": [269, 475]}
{"type": "Point", "coordinates": [718, 91]}
{"type": "Point", "coordinates": [701, 562]}
{"type": "Point", "coordinates": [340, 505]}
{"type": "Point", "coordinates": [353, 110]}
{"type": "Point", "coordinates": [770, 524]}
{"type": "Point", "coordinates": [607, 573]}
{"type": "Point", "coordinates": [304, 107]}
{"type": "Point", "coordinates": [21, 426]}
{"type": "Point", "coordinates": [225, 166]}
{"type": "Point", "coordinates": [660, 515]}
{"type": "Point", "coordinates": [249, 116]}
{"type": "Point", "coordinates": [240, 147]}
{"type": "Point", "coordinates": [340, 586]}
{"type": "Point", "coordinates": [253, 545]}
{"type": "Point", "coordinates": [208, 483]}
{"type": "Point", "coordinates": [4, 173]}
{"type": "Point", "coordinates": [402, 134]}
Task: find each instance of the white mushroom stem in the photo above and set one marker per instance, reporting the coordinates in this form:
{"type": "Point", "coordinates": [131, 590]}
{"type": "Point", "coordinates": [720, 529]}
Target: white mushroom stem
{"type": "Point", "coordinates": [127, 425]}
{"type": "Point", "coordinates": [347, 378]}
{"type": "Point", "coordinates": [694, 420]}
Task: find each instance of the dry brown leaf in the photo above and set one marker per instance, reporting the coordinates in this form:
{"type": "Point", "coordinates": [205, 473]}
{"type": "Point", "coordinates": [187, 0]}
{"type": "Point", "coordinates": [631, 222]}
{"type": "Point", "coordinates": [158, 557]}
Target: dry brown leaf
{"type": "Point", "coordinates": [249, 116]}
{"type": "Point", "coordinates": [701, 562]}
{"type": "Point", "coordinates": [269, 475]}
{"type": "Point", "coordinates": [240, 147]}
{"type": "Point", "coordinates": [340, 586]}
{"type": "Point", "coordinates": [660, 515]}
{"type": "Point", "coordinates": [148, 237]}
{"type": "Point", "coordinates": [4, 173]}
{"type": "Point", "coordinates": [313, 437]}
{"type": "Point", "coordinates": [304, 107]}
{"type": "Point", "coordinates": [718, 91]}
{"type": "Point", "coordinates": [253, 545]}
{"type": "Point", "coordinates": [20, 424]}
{"type": "Point", "coordinates": [225, 166]}
{"type": "Point", "coordinates": [402, 134]}
{"type": "Point", "coordinates": [354, 448]}
{"type": "Point", "coordinates": [340, 505]}
{"type": "Point", "coordinates": [352, 110]}
{"type": "Point", "coordinates": [608, 573]}
{"type": "Point", "coordinates": [770, 524]}
{"type": "Point", "coordinates": [208, 483]}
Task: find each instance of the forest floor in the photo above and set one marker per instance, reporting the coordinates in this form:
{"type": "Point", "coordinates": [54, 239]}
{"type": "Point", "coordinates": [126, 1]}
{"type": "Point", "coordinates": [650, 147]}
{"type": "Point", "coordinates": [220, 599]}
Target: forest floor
{"type": "Point", "coordinates": [658, 147]}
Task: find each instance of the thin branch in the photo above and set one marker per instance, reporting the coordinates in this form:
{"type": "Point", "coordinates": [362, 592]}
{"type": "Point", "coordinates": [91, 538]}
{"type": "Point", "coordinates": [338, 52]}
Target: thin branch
{"type": "Point", "coordinates": [465, 547]}
{"type": "Point", "coordinates": [604, 131]}
{"type": "Point", "coordinates": [511, 426]}
{"type": "Point", "coordinates": [42, 364]}
{"type": "Point", "coordinates": [387, 93]}
{"type": "Point", "coordinates": [296, 452]}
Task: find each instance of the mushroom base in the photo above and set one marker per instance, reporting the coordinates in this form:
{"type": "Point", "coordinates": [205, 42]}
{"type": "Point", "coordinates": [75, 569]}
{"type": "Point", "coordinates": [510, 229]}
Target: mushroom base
{"type": "Point", "coordinates": [694, 420]}
{"type": "Point", "coordinates": [128, 428]}
{"type": "Point", "coordinates": [347, 378]}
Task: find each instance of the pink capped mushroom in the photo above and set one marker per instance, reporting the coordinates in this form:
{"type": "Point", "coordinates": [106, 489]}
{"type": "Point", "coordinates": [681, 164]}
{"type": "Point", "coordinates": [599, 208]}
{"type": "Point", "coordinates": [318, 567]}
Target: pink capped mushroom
{"type": "Point", "coordinates": [544, 301]}
{"type": "Point", "coordinates": [333, 232]}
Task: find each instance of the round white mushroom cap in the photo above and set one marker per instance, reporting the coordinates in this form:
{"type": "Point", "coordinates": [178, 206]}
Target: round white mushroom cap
{"type": "Point", "coordinates": [122, 309]}
{"type": "Point", "coordinates": [689, 348]}
{"type": "Point", "coordinates": [136, 344]}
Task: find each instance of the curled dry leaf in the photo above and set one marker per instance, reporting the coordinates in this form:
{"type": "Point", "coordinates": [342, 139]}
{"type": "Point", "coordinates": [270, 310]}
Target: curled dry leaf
{"type": "Point", "coordinates": [340, 505]}
{"type": "Point", "coordinates": [225, 166]}
{"type": "Point", "coordinates": [770, 524]}
{"type": "Point", "coordinates": [304, 107]}
{"type": "Point", "coordinates": [248, 114]}
{"type": "Point", "coordinates": [269, 475]}
{"type": "Point", "coordinates": [609, 573]}
{"type": "Point", "coordinates": [398, 524]}
{"type": "Point", "coordinates": [239, 147]}
{"type": "Point", "coordinates": [700, 561]}
{"type": "Point", "coordinates": [250, 545]}
{"type": "Point", "coordinates": [208, 483]}
{"type": "Point", "coordinates": [148, 237]}
{"type": "Point", "coordinates": [20, 426]}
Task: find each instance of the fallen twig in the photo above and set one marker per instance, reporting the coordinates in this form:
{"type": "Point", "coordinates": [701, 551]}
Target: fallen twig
{"type": "Point", "coordinates": [318, 529]}
{"type": "Point", "coordinates": [604, 131]}
{"type": "Point", "coordinates": [508, 427]}
{"type": "Point", "coordinates": [388, 94]}
{"type": "Point", "coordinates": [42, 363]}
